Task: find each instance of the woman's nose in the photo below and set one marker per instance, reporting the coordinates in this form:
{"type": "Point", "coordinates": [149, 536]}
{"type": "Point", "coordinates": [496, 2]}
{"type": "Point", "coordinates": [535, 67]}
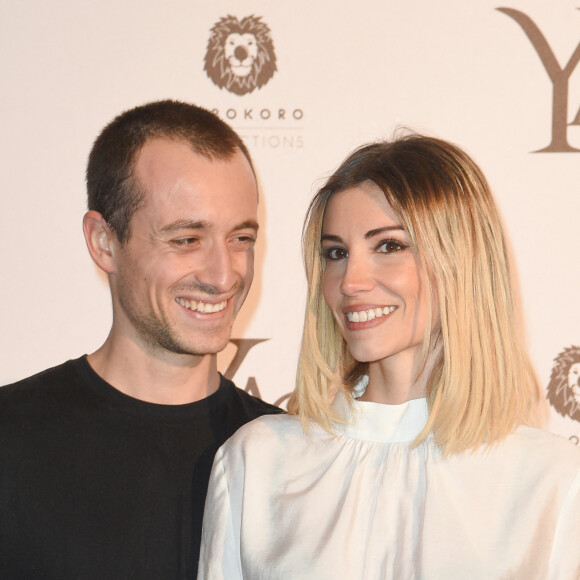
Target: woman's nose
{"type": "Point", "coordinates": [357, 276]}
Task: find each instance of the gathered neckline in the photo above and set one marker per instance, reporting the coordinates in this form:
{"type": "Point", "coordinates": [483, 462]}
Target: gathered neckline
{"type": "Point", "coordinates": [380, 422]}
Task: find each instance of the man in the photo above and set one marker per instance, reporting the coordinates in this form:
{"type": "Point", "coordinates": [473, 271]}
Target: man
{"type": "Point", "coordinates": [104, 460]}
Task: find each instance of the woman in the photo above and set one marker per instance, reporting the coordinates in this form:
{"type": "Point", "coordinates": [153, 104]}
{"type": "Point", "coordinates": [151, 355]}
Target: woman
{"type": "Point", "coordinates": [407, 453]}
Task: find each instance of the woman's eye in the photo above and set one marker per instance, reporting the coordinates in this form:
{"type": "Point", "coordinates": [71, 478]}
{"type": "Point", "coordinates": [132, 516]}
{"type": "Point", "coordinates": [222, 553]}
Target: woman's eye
{"type": "Point", "coordinates": [335, 253]}
{"type": "Point", "coordinates": [391, 246]}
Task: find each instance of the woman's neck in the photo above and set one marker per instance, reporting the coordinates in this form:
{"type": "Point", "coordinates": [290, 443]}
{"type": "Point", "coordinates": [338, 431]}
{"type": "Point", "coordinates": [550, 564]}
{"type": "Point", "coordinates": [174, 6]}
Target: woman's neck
{"type": "Point", "coordinates": [396, 379]}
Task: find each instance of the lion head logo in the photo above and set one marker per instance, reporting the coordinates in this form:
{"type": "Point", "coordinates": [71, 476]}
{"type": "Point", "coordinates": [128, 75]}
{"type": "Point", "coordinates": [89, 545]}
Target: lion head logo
{"type": "Point", "coordinates": [564, 387]}
{"type": "Point", "coordinates": [240, 54]}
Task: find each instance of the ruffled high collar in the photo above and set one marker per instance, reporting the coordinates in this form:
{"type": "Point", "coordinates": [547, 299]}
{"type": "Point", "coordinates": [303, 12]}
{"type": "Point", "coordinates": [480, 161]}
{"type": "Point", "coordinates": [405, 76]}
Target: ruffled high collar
{"type": "Point", "coordinates": [380, 422]}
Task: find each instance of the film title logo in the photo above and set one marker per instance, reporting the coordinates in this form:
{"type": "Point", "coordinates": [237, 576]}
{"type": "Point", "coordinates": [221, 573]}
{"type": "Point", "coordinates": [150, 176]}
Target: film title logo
{"type": "Point", "coordinates": [243, 347]}
{"type": "Point", "coordinates": [559, 77]}
{"type": "Point", "coordinates": [263, 114]}
{"type": "Point", "coordinates": [263, 127]}
{"type": "Point", "coordinates": [564, 386]}
{"type": "Point", "coordinates": [240, 54]}
{"type": "Point", "coordinates": [240, 58]}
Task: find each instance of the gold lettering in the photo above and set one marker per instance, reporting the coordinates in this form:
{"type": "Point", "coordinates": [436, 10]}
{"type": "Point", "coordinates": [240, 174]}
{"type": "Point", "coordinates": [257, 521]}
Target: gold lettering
{"type": "Point", "coordinates": [559, 77]}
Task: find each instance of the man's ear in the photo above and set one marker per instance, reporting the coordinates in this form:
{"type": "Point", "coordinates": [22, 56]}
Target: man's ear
{"type": "Point", "coordinates": [100, 241]}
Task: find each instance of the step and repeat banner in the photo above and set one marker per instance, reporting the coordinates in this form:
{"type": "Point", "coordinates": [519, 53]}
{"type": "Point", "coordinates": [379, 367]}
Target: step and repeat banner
{"type": "Point", "coordinates": [501, 79]}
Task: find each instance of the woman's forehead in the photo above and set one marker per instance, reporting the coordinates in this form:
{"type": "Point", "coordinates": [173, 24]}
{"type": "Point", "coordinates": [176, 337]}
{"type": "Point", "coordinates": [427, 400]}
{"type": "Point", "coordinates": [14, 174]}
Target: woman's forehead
{"type": "Point", "coordinates": [365, 201]}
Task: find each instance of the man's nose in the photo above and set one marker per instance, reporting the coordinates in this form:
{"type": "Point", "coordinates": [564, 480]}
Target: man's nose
{"type": "Point", "coordinates": [218, 270]}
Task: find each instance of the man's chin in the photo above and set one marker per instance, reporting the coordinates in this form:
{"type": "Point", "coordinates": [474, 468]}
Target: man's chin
{"type": "Point", "coordinates": [201, 347]}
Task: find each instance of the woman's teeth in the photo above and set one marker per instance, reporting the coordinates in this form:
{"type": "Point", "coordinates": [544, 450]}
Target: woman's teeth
{"type": "Point", "coordinates": [371, 314]}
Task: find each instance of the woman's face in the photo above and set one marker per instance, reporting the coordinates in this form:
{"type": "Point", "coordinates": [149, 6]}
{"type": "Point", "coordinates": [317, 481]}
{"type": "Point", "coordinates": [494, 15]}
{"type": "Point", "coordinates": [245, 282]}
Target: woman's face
{"type": "Point", "coordinates": [372, 281]}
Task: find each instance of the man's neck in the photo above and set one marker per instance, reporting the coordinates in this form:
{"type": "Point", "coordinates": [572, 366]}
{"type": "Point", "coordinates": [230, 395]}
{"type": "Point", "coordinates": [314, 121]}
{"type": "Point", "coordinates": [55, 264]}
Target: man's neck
{"type": "Point", "coordinates": [155, 376]}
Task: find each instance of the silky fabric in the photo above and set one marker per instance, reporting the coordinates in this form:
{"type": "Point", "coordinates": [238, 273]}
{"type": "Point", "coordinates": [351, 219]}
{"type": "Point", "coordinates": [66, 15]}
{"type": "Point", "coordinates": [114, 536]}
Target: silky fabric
{"type": "Point", "coordinates": [365, 504]}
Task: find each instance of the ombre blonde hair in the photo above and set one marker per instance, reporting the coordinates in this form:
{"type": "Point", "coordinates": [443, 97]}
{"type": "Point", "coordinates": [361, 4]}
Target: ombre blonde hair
{"type": "Point", "coordinates": [482, 384]}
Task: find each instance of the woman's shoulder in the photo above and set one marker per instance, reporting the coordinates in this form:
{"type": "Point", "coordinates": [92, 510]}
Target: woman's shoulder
{"type": "Point", "coordinates": [535, 454]}
{"type": "Point", "coordinates": [269, 448]}
{"type": "Point", "coordinates": [528, 454]}
{"type": "Point", "coordinates": [546, 446]}
{"type": "Point", "coordinates": [265, 432]}
{"type": "Point", "coordinates": [267, 423]}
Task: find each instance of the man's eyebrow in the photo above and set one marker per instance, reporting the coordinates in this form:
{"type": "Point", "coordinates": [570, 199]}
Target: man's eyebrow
{"type": "Point", "coordinates": [180, 225]}
{"type": "Point", "coordinates": [248, 224]}
{"type": "Point", "coordinates": [185, 225]}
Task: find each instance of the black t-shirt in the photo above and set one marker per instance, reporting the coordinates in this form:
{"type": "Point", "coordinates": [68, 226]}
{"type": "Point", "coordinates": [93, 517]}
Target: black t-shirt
{"type": "Point", "coordinates": [97, 485]}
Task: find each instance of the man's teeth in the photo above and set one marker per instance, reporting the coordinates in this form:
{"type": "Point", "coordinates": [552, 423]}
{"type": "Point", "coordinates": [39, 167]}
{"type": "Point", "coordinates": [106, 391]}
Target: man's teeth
{"type": "Point", "coordinates": [365, 315]}
{"type": "Point", "coordinates": [204, 307]}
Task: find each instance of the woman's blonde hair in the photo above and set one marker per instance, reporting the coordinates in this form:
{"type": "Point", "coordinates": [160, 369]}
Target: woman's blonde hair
{"type": "Point", "coordinates": [482, 385]}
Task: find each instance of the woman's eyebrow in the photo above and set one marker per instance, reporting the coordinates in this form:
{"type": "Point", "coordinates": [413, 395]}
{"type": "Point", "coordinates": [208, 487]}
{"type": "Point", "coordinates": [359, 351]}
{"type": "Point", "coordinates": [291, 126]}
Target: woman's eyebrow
{"type": "Point", "coordinates": [369, 234]}
{"type": "Point", "coordinates": [330, 238]}
{"type": "Point", "coordinates": [377, 231]}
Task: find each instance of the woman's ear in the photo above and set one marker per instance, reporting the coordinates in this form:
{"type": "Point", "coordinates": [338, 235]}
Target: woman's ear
{"type": "Point", "coordinates": [100, 240]}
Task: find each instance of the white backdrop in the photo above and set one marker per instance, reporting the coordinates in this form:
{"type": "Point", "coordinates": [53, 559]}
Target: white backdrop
{"type": "Point", "coordinates": [464, 71]}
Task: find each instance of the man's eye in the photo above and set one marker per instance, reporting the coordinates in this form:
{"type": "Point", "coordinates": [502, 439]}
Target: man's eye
{"type": "Point", "coordinates": [245, 241]}
{"type": "Point", "coordinates": [390, 246]}
{"type": "Point", "coordinates": [335, 253]}
{"type": "Point", "coordinates": [184, 242]}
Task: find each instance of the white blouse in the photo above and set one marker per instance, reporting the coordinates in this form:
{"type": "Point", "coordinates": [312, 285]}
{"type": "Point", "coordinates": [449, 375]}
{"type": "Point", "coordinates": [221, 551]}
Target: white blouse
{"type": "Point", "coordinates": [363, 504]}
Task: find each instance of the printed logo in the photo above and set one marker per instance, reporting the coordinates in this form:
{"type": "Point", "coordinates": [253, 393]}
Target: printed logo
{"type": "Point", "coordinates": [243, 347]}
{"type": "Point", "coordinates": [559, 76]}
{"type": "Point", "coordinates": [564, 387]}
{"type": "Point", "coordinates": [240, 54]}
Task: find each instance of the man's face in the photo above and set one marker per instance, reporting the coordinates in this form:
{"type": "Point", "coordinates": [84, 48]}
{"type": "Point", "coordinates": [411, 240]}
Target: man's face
{"type": "Point", "coordinates": [187, 267]}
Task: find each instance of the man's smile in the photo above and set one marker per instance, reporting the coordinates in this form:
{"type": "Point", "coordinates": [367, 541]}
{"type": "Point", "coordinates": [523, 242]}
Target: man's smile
{"type": "Point", "coordinates": [200, 306]}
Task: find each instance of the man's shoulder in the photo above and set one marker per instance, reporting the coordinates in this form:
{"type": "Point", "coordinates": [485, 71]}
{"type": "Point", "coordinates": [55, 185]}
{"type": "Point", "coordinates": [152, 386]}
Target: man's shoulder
{"type": "Point", "coordinates": [48, 382]}
{"type": "Point", "coordinates": [245, 403]}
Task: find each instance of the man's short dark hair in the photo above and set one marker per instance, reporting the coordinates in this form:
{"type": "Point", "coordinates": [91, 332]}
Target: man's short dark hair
{"type": "Point", "coordinates": [111, 187]}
